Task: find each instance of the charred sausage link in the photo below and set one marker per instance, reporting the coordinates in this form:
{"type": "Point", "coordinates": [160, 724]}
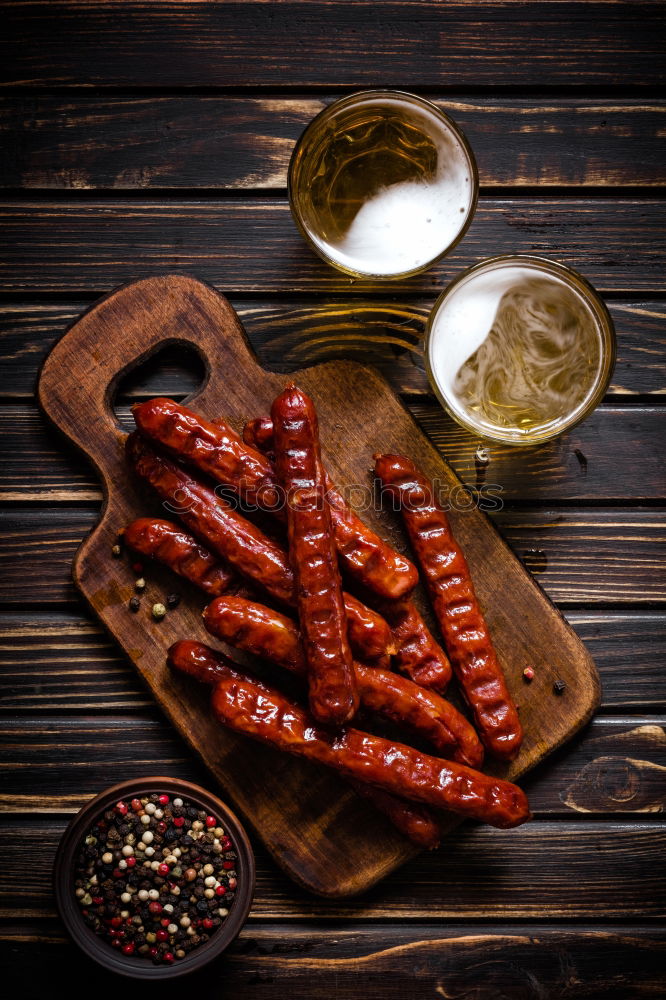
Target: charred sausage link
{"type": "Point", "coordinates": [414, 821]}
{"type": "Point", "coordinates": [170, 545]}
{"type": "Point", "coordinates": [369, 634]}
{"type": "Point", "coordinates": [215, 524]}
{"type": "Point", "coordinates": [321, 612]}
{"type": "Point", "coordinates": [213, 448]}
{"type": "Point", "coordinates": [366, 555]}
{"type": "Point", "coordinates": [249, 707]}
{"type": "Point", "coordinates": [417, 653]}
{"type": "Point", "coordinates": [216, 450]}
{"type": "Point", "coordinates": [450, 585]}
{"type": "Point", "coordinates": [231, 536]}
{"type": "Point", "coordinates": [266, 633]}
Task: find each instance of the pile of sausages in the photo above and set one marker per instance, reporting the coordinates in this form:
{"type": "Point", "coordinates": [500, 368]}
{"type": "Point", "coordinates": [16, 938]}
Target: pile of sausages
{"type": "Point", "coordinates": [285, 603]}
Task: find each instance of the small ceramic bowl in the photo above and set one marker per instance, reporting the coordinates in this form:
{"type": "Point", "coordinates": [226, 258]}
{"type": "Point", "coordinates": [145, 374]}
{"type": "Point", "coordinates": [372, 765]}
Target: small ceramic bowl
{"type": "Point", "coordinates": [95, 946]}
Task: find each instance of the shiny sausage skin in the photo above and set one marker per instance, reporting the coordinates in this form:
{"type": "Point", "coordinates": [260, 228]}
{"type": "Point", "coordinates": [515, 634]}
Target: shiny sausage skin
{"type": "Point", "coordinates": [216, 450]}
{"type": "Point", "coordinates": [321, 612]}
{"type": "Point", "coordinates": [213, 448]}
{"type": "Point", "coordinates": [214, 521]}
{"type": "Point", "coordinates": [414, 821]}
{"type": "Point", "coordinates": [365, 555]}
{"type": "Point", "coordinates": [253, 709]}
{"type": "Point", "coordinates": [452, 593]}
{"type": "Point", "coordinates": [369, 634]}
{"type": "Point", "coordinates": [266, 633]}
{"type": "Point", "coordinates": [418, 655]}
{"type": "Point", "coordinates": [170, 545]}
{"type": "Point", "coordinates": [210, 520]}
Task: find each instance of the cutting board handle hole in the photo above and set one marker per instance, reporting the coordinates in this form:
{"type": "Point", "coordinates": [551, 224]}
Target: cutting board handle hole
{"type": "Point", "coordinates": [176, 370]}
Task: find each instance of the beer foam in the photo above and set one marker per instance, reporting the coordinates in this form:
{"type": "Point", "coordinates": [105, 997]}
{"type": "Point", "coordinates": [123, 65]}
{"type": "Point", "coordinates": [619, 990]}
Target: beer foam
{"type": "Point", "coordinates": [404, 226]}
{"type": "Point", "coordinates": [516, 348]}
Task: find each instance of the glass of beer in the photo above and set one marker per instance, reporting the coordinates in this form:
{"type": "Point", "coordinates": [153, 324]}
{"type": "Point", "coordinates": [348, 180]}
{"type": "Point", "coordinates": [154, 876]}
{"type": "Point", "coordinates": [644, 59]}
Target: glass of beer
{"type": "Point", "coordinates": [382, 184]}
{"type": "Point", "coordinates": [519, 349]}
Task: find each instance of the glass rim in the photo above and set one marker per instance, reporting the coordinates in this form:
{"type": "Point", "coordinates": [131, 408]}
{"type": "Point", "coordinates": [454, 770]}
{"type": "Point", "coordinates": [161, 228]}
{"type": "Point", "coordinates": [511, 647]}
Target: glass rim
{"type": "Point", "coordinates": [453, 127]}
{"type": "Point", "coordinates": [608, 347]}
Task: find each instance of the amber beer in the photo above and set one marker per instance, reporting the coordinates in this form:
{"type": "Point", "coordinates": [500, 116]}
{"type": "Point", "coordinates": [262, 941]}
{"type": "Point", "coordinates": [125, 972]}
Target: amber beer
{"type": "Point", "coordinates": [382, 183]}
{"type": "Point", "coordinates": [519, 348]}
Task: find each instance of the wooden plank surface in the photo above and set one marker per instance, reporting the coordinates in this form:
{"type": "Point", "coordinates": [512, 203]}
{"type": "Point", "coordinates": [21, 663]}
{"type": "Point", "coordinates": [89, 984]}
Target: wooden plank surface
{"type": "Point", "coordinates": [590, 555]}
{"type": "Point", "coordinates": [87, 142]}
{"type": "Point", "coordinates": [581, 465]}
{"type": "Point", "coordinates": [386, 962]}
{"type": "Point", "coordinates": [80, 245]}
{"type": "Point", "coordinates": [183, 44]}
{"type": "Point", "coordinates": [63, 662]}
{"type": "Point", "coordinates": [287, 333]}
{"type": "Point", "coordinates": [617, 766]}
{"type": "Point", "coordinates": [533, 872]}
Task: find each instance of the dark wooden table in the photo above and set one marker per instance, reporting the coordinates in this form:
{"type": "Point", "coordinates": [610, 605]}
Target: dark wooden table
{"type": "Point", "coordinates": [144, 138]}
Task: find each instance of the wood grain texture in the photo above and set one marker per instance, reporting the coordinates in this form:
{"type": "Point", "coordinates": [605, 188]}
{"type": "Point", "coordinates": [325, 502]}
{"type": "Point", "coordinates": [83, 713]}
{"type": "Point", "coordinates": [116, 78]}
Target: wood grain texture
{"type": "Point", "coordinates": [288, 334]}
{"type": "Point", "coordinates": [183, 44]}
{"type": "Point", "coordinates": [279, 800]}
{"type": "Point", "coordinates": [546, 870]}
{"type": "Point", "coordinates": [86, 142]}
{"type": "Point", "coordinates": [78, 246]}
{"type": "Point", "coordinates": [580, 465]}
{"type": "Point", "coordinates": [63, 662]}
{"type": "Point", "coordinates": [614, 767]}
{"type": "Point", "coordinates": [587, 555]}
{"type": "Point", "coordinates": [384, 963]}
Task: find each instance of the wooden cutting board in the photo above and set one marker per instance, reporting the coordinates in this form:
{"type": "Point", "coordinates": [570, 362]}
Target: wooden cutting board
{"type": "Point", "coordinates": [324, 836]}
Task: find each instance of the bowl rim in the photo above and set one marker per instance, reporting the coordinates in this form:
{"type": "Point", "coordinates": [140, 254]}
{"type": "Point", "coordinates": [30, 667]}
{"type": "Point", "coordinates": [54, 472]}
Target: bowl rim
{"type": "Point", "coordinates": [596, 305]}
{"type": "Point", "coordinates": [95, 946]}
{"type": "Point", "coordinates": [379, 94]}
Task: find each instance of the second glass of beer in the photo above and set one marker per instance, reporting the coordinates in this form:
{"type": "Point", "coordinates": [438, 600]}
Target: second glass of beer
{"type": "Point", "coordinates": [382, 184]}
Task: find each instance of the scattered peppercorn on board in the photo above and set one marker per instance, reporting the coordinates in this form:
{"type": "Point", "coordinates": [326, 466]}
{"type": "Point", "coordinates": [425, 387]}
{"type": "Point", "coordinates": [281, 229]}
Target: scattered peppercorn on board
{"type": "Point", "coordinates": [327, 838]}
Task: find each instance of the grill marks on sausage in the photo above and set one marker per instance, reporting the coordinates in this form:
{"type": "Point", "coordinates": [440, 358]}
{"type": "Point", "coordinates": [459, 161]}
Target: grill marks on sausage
{"type": "Point", "coordinates": [454, 600]}
{"type": "Point", "coordinates": [215, 449]}
{"type": "Point", "coordinates": [313, 558]}
{"type": "Point", "coordinates": [252, 708]}
{"type": "Point", "coordinates": [266, 633]}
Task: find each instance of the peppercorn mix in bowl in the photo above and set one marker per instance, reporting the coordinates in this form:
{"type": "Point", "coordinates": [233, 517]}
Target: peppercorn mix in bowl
{"type": "Point", "coordinates": [154, 878]}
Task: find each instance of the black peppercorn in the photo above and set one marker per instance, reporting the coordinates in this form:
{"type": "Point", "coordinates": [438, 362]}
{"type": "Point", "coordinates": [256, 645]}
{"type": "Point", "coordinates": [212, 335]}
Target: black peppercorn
{"type": "Point", "coordinates": [134, 604]}
{"type": "Point", "coordinates": [559, 687]}
{"type": "Point", "coordinates": [173, 600]}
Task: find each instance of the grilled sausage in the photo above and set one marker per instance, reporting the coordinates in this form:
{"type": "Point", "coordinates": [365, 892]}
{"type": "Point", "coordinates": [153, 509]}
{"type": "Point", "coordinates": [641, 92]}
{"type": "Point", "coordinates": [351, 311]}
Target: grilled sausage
{"type": "Point", "coordinates": [216, 450]}
{"type": "Point", "coordinates": [239, 542]}
{"type": "Point", "coordinates": [332, 687]}
{"type": "Point", "coordinates": [266, 633]}
{"type": "Point", "coordinates": [170, 545]}
{"type": "Point", "coordinates": [417, 653]}
{"type": "Point", "coordinates": [452, 593]}
{"type": "Point", "coordinates": [412, 820]}
{"type": "Point", "coordinates": [252, 708]}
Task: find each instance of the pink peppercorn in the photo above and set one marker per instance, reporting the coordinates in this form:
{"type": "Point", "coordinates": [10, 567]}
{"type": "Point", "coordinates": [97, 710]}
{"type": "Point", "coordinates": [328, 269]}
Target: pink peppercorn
{"type": "Point", "coordinates": [207, 922]}
{"type": "Point", "coordinates": [131, 861]}
{"type": "Point", "coordinates": [121, 807]}
{"type": "Point", "coordinates": [220, 891]}
{"type": "Point", "coordinates": [228, 865]}
{"type": "Point", "coordinates": [136, 805]}
{"type": "Point", "coordinates": [528, 674]}
{"type": "Point", "coordinates": [178, 820]}
{"type": "Point", "coordinates": [168, 957]}
{"type": "Point", "coordinates": [163, 800]}
{"type": "Point", "coordinates": [153, 952]}
{"type": "Point", "coordinates": [163, 869]}
{"type": "Point", "coordinates": [128, 949]}
{"type": "Point", "coordinates": [161, 827]}
{"type": "Point", "coordinates": [162, 936]}
{"type": "Point", "coordinates": [232, 883]}
{"type": "Point", "coordinates": [155, 907]}
{"type": "Point", "coordinates": [211, 821]}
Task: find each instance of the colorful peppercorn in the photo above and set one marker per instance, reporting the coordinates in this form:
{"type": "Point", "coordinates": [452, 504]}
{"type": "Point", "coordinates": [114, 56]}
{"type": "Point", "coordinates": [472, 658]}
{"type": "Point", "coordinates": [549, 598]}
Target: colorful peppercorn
{"type": "Point", "coordinates": [130, 898]}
